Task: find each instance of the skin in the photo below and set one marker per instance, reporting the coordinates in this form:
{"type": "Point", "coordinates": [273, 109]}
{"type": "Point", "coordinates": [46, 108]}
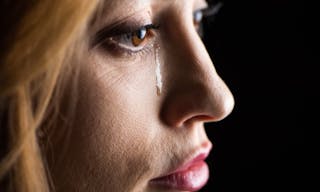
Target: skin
{"type": "Point", "coordinates": [125, 134]}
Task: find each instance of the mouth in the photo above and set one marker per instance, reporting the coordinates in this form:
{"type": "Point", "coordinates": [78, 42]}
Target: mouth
{"type": "Point", "coordinates": [189, 176]}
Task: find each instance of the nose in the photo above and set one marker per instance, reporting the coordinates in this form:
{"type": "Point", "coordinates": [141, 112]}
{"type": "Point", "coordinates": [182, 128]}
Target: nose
{"type": "Point", "coordinates": [194, 90]}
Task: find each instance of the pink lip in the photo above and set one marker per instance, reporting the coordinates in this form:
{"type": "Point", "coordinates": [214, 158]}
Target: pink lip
{"type": "Point", "coordinates": [191, 176]}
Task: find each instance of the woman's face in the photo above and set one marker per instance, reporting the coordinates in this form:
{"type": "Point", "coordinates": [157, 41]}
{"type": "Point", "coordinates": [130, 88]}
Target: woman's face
{"type": "Point", "coordinates": [131, 132]}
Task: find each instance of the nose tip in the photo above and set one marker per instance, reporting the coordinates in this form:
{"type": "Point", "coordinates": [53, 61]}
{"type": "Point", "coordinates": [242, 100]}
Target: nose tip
{"type": "Point", "coordinates": [222, 103]}
{"type": "Point", "coordinates": [201, 102]}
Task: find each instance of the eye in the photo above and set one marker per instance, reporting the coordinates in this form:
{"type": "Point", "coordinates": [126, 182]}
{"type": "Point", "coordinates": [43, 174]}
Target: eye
{"type": "Point", "coordinates": [132, 41]}
{"type": "Point", "coordinates": [197, 17]}
{"type": "Point", "coordinates": [197, 21]}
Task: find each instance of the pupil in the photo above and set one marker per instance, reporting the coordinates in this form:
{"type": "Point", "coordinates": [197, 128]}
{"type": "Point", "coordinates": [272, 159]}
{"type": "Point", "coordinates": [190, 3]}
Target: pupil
{"type": "Point", "coordinates": [141, 33]}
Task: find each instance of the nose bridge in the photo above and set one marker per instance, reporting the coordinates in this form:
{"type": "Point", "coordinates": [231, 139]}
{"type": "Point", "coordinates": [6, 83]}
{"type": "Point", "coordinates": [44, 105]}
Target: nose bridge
{"type": "Point", "coordinates": [196, 92]}
{"type": "Point", "coordinates": [186, 48]}
{"type": "Point", "coordinates": [195, 58]}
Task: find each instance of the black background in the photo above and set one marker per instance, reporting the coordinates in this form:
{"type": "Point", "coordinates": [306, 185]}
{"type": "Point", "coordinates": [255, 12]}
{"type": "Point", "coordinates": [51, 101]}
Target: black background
{"type": "Point", "coordinates": [257, 47]}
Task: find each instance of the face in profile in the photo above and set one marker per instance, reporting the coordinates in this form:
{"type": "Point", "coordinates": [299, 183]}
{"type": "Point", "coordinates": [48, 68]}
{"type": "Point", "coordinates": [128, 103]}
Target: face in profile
{"type": "Point", "coordinates": [146, 89]}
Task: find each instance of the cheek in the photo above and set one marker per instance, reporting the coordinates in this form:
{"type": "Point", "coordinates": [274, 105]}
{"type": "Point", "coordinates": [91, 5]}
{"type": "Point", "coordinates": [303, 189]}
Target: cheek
{"type": "Point", "coordinates": [116, 137]}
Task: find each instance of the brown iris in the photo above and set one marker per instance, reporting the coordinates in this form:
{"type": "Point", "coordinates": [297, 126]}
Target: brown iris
{"type": "Point", "coordinates": [139, 36]}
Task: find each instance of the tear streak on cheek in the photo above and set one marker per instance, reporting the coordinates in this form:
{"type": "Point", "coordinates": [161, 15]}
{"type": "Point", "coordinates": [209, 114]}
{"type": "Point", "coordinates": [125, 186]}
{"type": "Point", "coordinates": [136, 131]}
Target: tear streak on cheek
{"type": "Point", "coordinates": [158, 70]}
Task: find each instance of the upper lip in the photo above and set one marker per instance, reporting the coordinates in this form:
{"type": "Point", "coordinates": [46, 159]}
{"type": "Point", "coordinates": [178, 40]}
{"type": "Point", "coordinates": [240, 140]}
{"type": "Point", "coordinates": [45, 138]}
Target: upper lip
{"type": "Point", "coordinates": [199, 154]}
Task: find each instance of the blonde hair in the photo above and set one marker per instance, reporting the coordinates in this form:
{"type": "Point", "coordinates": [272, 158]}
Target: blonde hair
{"type": "Point", "coordinates": [34, 49]}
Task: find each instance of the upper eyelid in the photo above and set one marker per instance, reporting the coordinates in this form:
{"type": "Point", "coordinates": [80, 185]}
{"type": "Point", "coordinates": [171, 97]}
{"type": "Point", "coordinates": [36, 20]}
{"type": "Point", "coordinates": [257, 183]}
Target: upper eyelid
{"type": "Point", "coordinates": [117, 31]}
{"type": "Point", "coordinates": [130, 23]}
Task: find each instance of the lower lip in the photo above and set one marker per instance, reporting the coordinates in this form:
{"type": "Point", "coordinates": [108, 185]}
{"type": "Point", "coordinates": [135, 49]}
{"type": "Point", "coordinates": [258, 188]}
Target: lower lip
{"type": "Point", "coordinates": [193, 178]}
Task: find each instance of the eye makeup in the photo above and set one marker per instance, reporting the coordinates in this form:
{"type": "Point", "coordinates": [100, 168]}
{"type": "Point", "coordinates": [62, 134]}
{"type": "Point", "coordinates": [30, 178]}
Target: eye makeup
{"type": "Point", "coordinates": [127, 37]}
{"type": "Point", "coordinates": [119, 29]}
{"type": "Point", "coordinates": [136, 34]}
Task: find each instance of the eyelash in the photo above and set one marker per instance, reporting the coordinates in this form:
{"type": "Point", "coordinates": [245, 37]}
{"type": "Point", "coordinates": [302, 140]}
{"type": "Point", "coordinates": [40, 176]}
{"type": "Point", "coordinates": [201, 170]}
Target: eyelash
{"type": "Point", "coordinates": [115, 46]}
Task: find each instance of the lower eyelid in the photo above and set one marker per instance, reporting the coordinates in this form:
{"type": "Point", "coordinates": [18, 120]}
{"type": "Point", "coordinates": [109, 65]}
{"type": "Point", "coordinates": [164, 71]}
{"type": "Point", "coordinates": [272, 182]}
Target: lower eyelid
{"type": "Point", "coordinates": [118, 50]}
{"type": "Point", "coordinates": [133, 49]}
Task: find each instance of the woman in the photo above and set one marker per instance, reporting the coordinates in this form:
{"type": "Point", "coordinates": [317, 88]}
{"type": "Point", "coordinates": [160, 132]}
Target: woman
{"type": "Point", "coordinates": [106, 96]}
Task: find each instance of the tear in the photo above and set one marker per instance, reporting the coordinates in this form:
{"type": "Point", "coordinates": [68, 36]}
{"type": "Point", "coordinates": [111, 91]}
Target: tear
{"type": "Point", "coordinates": [158, 70]}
